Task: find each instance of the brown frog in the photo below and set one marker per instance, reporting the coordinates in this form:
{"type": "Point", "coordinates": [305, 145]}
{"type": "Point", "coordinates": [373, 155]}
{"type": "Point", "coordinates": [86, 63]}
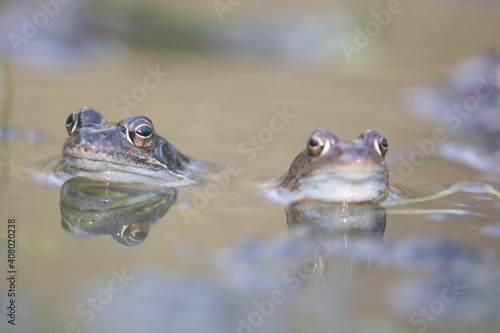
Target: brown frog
{"type": "Point", "coordinates": [336, 171]}
{"type": "Point", "coordinates": [129, 151]}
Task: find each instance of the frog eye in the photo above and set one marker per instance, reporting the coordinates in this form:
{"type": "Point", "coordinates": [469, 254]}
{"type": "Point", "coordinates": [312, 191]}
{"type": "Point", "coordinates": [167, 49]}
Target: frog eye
{"type": "Point", "coordinates": [133, 234]}
{"type": "Point", "coordinates": [141, 134]}
{"type": "Point", "coordinates": [317, 145]}
{"type": "Point", "coordinates": [71, 123]}
{"type": "Point", "coordinates": [381, 145]}
{"type": "Point", "coordinates": [85, 117]}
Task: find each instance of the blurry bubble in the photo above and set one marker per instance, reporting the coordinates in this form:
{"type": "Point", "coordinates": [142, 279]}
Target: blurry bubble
{"type": "Point", "coordinates": [208, 112]}
{"type": "Point", "coordinates": [202, 130]}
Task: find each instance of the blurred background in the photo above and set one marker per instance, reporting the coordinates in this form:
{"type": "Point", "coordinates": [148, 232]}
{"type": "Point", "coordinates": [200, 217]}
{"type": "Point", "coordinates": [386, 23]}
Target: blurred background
{"type": "Point", "coordinates": [330, 61]}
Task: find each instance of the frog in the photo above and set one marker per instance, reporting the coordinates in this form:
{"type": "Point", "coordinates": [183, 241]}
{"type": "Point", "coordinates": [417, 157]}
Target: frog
{"type": "Point", "coordinates": [354, 173]}
{"type": "Point", "coordinates": [127, 152]}
{"type": "Point", "coordinates": [336, 171]}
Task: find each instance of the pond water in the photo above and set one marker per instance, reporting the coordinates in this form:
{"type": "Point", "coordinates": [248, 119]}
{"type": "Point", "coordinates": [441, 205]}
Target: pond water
{"type": "Point", "coordinates": [220, 256]}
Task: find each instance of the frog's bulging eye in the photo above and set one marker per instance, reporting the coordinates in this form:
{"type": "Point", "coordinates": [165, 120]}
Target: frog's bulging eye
{"type": "Point", "coordinates": [381, 145]}
{"type": "Point", "coordinates": [141, 134]}
{"type": "Point", "coordinates": [316, 146]}
{"type": "Point", "coordinates": [71, 123]}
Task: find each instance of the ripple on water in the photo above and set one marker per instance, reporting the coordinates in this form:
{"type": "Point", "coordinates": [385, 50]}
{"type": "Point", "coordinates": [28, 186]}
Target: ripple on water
{"type": "Point", "coordinates": [465, 204]}
{"type": "Point", "coordinates": [437, 217]}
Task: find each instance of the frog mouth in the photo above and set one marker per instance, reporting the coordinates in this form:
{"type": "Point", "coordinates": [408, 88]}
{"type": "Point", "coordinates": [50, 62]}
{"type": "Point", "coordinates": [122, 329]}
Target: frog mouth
{"type": "Point", "coordinates": [118, 173]}
{"type": "Point", "coordinates": [88, 156]}
{"type": "Point", "coordinates": [95, 165]}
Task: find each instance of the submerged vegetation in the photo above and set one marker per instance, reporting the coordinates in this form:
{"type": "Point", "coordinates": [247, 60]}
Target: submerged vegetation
{"type": "Point", "coordinates": [7, 90]}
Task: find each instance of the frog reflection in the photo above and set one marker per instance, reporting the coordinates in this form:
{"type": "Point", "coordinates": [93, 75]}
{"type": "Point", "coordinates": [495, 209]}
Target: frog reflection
{"type": "Point", "coordinates": [125, 213]}
{"type": "Point", "coordinates": [329, 219]}
{"type": "Point", "coordinates": [335, 226]}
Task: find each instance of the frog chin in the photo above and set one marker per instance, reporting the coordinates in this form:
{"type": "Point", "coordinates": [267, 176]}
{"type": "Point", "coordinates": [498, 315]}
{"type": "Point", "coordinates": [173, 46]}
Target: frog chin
{"type": "Point", "coordinates": [349, 187]}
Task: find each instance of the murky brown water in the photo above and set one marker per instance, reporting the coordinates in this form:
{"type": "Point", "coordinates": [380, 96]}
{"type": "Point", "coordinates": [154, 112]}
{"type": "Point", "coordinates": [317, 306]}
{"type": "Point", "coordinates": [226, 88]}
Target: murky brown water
{"type": "Point", "coordinates": [231, 263]}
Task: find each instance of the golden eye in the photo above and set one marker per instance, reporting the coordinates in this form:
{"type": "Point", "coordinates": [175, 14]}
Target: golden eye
{"type": "Point", "coordinates": [71, 123]}
{"type": "Point", "coordinates": [141, 133]}
{"type": "Point", "coordinates": [316, 146]}
{"type": "Point", "coordinates": [381, 145]}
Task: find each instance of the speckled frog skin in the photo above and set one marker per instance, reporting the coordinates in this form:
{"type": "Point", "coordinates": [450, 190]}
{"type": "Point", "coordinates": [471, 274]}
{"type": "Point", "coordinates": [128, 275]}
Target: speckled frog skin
{"type": "Point", "coordinates": [129, 151]}
{"type": "Point", "coordinates": [336, 171]}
